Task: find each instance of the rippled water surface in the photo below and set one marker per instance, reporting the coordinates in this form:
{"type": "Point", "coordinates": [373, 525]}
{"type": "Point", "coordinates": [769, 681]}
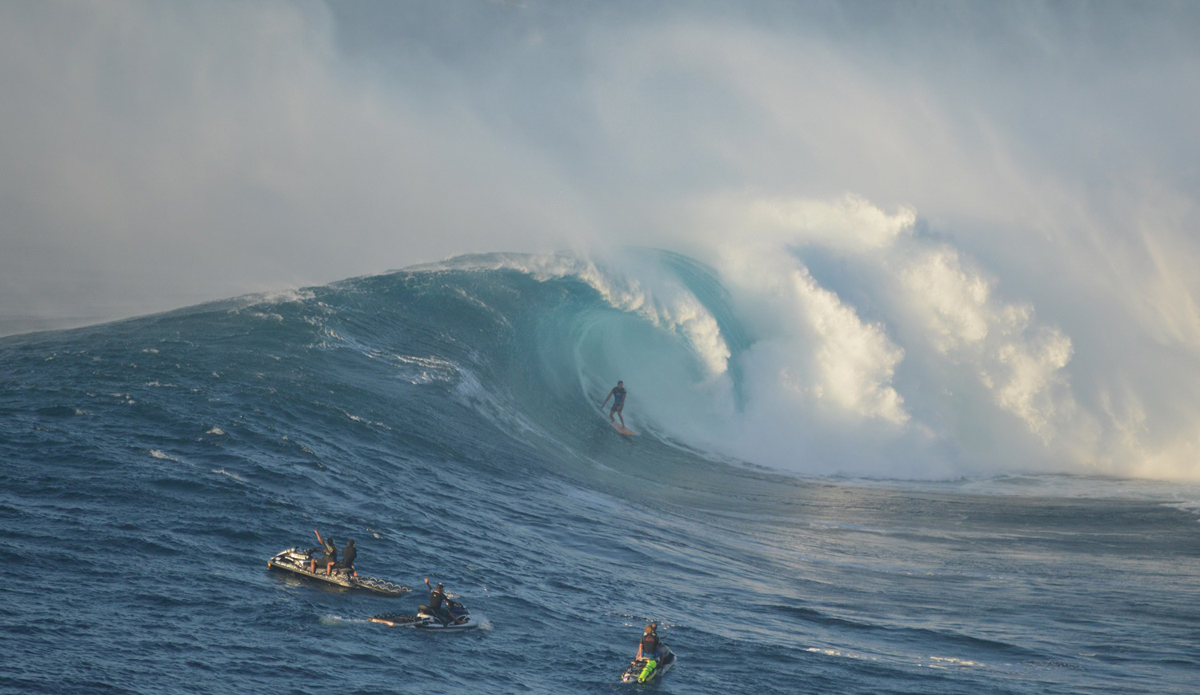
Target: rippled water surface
{"type": "Point", "coordinates": [149, 468]}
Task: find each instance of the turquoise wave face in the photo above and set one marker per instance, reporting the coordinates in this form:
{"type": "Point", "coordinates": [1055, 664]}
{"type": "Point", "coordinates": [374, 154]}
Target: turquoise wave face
{"type": "Point", "coordinates": [528, 346]}
{"type": "Point", "coordinates": [448, 420]}
{"type": "Point", "coordinates": [530, 357]}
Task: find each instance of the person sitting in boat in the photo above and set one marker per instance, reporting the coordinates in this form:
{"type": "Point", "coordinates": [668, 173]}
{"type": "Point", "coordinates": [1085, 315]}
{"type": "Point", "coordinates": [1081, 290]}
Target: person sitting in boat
{"type": "Point", "coordinates": [348, 555]}
{"type": "Point", "coordinates": [439, 605]}
{"type": "Point", "coordinates": [649, 650]}
{"type": "Point", "coordinates": [329, 559]}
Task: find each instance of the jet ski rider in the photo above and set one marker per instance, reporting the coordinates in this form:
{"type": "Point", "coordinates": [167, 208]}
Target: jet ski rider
{"type": "Point", "coordinates": [649, 649]}
{"type": "Point", "coordinates": [329, 559]}
{"type": "Point", "coordinates": [348, 555]}
{"type": "Point", "coordinates": [439, 605]}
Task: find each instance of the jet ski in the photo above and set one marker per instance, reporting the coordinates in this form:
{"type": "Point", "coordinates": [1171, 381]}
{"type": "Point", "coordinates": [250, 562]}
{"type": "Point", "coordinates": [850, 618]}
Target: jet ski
{"type": "Point", "coordinates": [297, 561]}
{"type": "Point", "coordinates": [637, 666]}
{"type": "Point", "coordinates": [426, 620]}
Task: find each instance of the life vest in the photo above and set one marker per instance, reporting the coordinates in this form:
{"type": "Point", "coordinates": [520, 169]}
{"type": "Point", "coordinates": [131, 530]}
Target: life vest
{"type": "Point", "coordinates": [651, 646]}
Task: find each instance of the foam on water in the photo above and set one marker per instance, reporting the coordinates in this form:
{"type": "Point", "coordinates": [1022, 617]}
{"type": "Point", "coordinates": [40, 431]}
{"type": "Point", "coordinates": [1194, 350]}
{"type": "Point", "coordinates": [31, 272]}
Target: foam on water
{"type": "Point", "coordinates": [448, 420]}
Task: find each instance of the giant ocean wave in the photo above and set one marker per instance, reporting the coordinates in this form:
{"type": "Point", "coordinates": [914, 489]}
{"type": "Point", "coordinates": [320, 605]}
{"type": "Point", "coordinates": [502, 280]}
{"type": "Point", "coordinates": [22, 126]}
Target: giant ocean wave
{"type": "Point", "coordinates": [447, 416]}
{"type": "Point", "coordinates": [778, 355]}
{"type": "Point", "coordinates": [775, 355]}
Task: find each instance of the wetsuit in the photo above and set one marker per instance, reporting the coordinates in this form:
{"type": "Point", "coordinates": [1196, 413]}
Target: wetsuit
{"type": "Point", "coordinates": [618, 394]}
{"type": "Point", "coordinates": [442, 613]}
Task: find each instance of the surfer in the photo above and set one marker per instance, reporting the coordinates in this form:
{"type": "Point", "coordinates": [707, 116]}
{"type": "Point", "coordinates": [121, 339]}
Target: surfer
{"type": "Point", "coordinates": [329, 558]}
{"type": "Point", "coordinates": [618, 396]}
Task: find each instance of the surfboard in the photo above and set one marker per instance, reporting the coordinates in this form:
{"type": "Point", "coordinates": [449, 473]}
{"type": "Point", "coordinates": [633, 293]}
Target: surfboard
{"type": "Point", "coordinates": [623, 429]}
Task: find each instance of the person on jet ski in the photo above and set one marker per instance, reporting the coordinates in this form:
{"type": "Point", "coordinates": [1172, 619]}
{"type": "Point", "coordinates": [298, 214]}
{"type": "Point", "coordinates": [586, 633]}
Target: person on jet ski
{"type": "Point", "coordinates": [649, 649]}
{"type": "Point", "coordinates": [348, 555]}
{"type": "Point", "coordinates": [329, 559]}
{"type": "Point", "coordinates": [439, 605]}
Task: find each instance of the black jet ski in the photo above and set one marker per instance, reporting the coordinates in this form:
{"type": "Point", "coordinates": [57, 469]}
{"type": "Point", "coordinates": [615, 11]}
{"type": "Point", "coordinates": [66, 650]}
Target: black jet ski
{"type": "Point", "coordinates": [636, 667]}
{"type": "Point", "coordinates": [297, 561]}
{"type": "Point", "coordinates": [426, 620]}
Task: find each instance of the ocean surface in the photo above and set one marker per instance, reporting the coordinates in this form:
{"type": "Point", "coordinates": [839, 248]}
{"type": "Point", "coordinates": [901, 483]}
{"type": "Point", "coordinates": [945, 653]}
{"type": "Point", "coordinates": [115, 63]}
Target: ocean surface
{"type": "Point", "coordinates": [447, 419]}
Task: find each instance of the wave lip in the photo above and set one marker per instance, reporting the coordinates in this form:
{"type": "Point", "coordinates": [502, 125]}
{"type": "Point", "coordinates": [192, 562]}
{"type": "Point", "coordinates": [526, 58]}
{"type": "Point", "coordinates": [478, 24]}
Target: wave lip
{"type": "Point", "coordinates": [843, 340]}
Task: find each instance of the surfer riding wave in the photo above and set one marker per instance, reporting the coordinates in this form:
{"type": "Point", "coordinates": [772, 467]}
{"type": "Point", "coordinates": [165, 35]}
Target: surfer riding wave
{"type": "Point", "coordinates": [618, 396]}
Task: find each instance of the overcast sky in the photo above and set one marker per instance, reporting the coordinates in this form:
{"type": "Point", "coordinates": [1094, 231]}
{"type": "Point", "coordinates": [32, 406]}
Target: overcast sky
{"type": "Point", "coordinates": [1043, 159]}
{"type": "Point", "coordinates": [155, 154]}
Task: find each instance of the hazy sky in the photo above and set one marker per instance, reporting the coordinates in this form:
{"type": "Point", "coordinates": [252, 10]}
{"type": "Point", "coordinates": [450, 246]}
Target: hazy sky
{"type": "Point", "coordinates": [156, 154]}
{"type": "Point", "coordinates": [1040, 160]}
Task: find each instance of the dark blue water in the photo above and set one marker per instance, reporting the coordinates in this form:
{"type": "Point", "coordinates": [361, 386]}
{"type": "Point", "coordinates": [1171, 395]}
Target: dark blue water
{"type": "Point", "coordinates": [447, 421]}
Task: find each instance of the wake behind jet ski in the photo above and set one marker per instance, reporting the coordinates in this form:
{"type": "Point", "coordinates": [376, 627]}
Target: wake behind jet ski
{"type": "Point", "coordinates": [441, 613]}
{"type": "Point", "coordinates": [326, 568]}
{"type": "Point", "coordinates": [653, 659]}
{"type": "Point", "coordinates": [425, 620]}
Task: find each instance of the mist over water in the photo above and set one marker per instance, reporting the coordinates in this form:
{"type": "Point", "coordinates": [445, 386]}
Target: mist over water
{"type": "Point", "coordinates": [904, 296]}
{"type": "Point", "coordinates": [916, 241]}
{"type": "Point", "coordinates": [446, 418]}
{"type": "Point", "coordinates": [755, 359]}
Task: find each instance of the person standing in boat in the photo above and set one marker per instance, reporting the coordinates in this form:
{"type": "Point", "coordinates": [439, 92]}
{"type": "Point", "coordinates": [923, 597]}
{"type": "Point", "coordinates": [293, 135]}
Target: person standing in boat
{"type": "Point", "coordinates": [329, 559]}
{"type": "Point", "coordinates": [618, 396]}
